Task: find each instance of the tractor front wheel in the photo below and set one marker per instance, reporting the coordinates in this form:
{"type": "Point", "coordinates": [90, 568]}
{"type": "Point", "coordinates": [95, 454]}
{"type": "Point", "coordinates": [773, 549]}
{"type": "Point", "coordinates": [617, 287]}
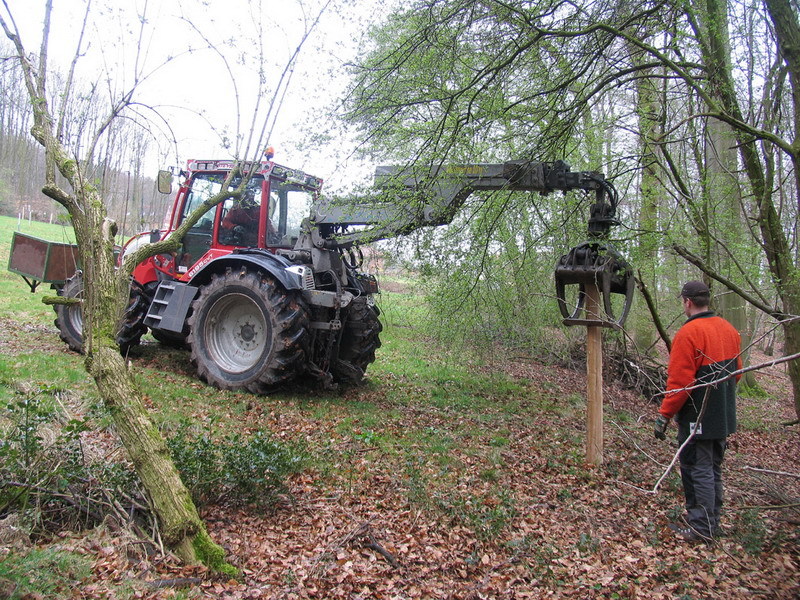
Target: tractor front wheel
{"type": "Point", "coordinates": [360, 339]}
{"type": "Point", "coordinates": [247, 332]}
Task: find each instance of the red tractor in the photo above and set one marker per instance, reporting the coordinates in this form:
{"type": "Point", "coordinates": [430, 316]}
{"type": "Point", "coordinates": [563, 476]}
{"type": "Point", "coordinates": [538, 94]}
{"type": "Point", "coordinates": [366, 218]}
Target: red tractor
{"type": "Point", "coordinates": [238, 293]}
{"type": "Point", "coordinates": [267, 285]}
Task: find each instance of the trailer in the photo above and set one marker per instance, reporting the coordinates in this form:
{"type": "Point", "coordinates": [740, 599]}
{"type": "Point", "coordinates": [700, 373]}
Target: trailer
{"type": "Point", "coordinates": [42, 261]}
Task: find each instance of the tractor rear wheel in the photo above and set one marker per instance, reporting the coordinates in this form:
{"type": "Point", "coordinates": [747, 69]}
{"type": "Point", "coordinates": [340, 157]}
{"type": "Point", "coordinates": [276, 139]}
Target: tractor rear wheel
{"type": "Point", "coordinates": [69, 317]}
{"type": "Point", "coordinates": [360, 339]}
{"type": "Point", "coordinates": [247, 332]}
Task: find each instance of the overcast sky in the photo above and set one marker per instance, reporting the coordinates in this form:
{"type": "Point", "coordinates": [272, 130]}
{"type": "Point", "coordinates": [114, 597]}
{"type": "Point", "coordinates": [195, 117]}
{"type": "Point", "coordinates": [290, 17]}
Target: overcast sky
{"type": "Point", "coordinates": [252, 41]}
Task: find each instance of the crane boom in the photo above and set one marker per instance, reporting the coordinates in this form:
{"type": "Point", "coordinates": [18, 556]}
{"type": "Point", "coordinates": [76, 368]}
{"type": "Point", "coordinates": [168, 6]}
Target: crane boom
{"type": "Point", "coordinates": [408, 199]}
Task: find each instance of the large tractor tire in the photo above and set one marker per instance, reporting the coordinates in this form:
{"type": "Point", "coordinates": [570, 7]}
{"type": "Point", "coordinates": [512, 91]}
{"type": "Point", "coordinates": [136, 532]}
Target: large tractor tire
{"type": "Point", "coordinates": [246, 332]}
{"type": "Point", "coordinates": [69, 317]}
{"type": "Point", "coordinates": [360, 339]}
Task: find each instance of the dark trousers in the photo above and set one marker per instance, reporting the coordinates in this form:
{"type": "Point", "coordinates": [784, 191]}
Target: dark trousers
{"type": "Point", "coordinates": [701, 472]}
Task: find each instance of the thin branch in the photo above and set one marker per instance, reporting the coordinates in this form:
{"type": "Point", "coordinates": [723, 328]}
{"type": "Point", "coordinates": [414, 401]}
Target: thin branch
{"type": "Point", "coordinates": [766, 506]}
{"type": "Point", "coordinates": [662, 332]}
{"type": "Point", "coordinates": [763, 365]}
{"type": "Point", "coordinates": [635, 445]}
{"type": "Point", "coordinates": [41, 77]}
{"type": "Point", "coordinates": [771, 472]}
{"type": "Point", "coordinates": [71, 76]}
{"type": "Point", "coordinates": [677, 455]}
{"type": "Point", "coordinates": [700, 264]}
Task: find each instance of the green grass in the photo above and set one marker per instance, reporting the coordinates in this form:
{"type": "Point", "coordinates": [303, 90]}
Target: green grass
{"type": "Point", "coordinates": [47, 573]}
{"type": "Point", "coordinates": [49, 377]}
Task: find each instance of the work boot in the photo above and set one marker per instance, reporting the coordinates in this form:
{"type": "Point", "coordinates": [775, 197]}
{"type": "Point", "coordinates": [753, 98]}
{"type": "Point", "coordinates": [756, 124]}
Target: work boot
{"type": "Point", "coordinates": [689, 534]}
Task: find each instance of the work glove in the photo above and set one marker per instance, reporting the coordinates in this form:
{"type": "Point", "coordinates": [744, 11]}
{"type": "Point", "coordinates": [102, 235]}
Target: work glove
{"type": "Point", "coordinates": [660, 429]}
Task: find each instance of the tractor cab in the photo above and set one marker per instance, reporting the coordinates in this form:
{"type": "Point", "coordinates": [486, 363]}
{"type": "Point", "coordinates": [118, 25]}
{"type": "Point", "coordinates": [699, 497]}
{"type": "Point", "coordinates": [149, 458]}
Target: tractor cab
{"type": "Point", "coordinates": [267, 215]}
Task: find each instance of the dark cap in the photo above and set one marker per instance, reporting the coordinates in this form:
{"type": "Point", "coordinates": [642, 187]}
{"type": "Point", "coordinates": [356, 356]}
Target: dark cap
{"type": "Point", "coordinates": [693, 289]}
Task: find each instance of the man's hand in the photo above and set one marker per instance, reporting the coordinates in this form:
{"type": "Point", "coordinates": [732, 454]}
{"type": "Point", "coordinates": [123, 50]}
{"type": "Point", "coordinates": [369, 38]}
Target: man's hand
{"type": "Point", "coordinates": [660, 429]}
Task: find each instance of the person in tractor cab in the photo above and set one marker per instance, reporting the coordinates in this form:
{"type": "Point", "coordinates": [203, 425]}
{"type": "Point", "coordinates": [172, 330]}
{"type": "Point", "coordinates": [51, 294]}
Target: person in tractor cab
{"type": "Point", "coordinates": [706, 349]}
{"type": "Point", "coordinates": [239, 226]}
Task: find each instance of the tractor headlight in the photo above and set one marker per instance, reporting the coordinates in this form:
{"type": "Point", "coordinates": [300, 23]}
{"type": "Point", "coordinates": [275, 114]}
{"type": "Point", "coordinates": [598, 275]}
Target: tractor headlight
{"type": "Point", "coordinates": [305, 274]}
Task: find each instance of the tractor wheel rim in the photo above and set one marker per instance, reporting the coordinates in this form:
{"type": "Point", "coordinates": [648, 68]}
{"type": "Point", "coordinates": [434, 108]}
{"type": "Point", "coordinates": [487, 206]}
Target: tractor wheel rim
{"type": "Point", "coordinates": [236, 333]}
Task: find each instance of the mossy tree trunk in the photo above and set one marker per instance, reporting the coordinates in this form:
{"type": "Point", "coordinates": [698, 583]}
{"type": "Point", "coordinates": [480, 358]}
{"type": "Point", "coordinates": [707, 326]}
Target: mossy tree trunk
{"type": "Point", "coordinates": [105, 296]}
{"type": "Point", "coordinates": [724, 198]}
{"type": "Point", "coordinates": [105, 299]}
{"type": "Point", "coordinates": [649, 116]}
{"type": "Point", "coordinates": [760, 173]}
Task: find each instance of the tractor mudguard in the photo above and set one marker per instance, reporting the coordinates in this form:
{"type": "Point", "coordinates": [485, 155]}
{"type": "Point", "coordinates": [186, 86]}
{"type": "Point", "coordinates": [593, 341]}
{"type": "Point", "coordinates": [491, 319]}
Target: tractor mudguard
{"type": "Point", "coordinates": [255, 258]}
{"type": "Point", "coordinates": [173, 299]}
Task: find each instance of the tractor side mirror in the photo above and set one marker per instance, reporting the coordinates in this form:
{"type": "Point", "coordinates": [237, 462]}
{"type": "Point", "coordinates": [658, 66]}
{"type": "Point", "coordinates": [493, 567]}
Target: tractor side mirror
{"type": "Point", "coordinates": [165, 182]}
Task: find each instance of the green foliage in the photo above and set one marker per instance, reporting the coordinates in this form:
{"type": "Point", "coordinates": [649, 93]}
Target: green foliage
{"type": "Point", "coordinates": [47, 573]}
{"type": "Point", "coordinates": [587, 544]}
{"type": "Point", "coordinates": [44, 474]}
{"type": "Point", "coordinates": [486, 516]}
{"type": "Point", "coordinates": [750, 531]}
{"type": "Point", "coordinates": [234, 469]}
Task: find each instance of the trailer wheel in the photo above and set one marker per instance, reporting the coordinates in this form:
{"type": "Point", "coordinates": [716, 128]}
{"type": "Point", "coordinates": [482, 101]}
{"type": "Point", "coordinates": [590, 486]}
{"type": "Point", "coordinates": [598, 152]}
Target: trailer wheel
{"type": "Point", "coordinates": [360, 339]}
{"type": "Point", "coordinates": [247, 332]}
{"type": "Point", "coordinates": [69, 317]}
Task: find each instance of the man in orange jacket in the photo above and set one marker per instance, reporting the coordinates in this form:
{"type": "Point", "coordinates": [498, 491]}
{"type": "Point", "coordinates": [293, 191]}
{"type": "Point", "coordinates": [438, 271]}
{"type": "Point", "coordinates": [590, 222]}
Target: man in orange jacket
{"type": "Point", "coordinates": [705, 351]}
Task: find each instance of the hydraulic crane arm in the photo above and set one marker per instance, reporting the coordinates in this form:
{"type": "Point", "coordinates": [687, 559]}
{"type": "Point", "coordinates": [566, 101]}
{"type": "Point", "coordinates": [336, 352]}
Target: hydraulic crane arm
{"type": "Point", "coordinates": [410, 199]}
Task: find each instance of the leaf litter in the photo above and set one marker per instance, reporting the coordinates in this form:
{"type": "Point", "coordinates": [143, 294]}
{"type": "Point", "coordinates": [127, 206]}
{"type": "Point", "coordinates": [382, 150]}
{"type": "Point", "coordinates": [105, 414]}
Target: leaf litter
{"type": "Point", "coordinates": [442, 500]}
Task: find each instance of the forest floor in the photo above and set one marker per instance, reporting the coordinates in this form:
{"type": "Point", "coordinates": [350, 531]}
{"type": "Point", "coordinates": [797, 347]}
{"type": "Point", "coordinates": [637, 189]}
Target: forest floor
{"type": "Point", "coordinates": [429, 485]}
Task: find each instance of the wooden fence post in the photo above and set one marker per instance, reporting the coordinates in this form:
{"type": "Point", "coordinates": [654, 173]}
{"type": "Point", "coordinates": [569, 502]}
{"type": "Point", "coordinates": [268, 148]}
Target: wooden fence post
{"type": "Point", "coordinates": [594, 379]}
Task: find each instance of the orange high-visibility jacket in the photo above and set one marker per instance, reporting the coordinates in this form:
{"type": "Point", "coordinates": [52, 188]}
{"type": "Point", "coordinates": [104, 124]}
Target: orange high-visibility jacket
{"type": "Point", "coordinates": [705, 349]}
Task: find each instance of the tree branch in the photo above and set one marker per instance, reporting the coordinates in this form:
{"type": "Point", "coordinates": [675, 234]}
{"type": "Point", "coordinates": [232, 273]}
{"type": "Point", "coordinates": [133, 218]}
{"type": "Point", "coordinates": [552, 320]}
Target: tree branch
{"type": "Point", "coordinates": [763, 365]}
{"type": "Point", "coordinates": [701, 264]}
{"type": "Point", "coordinates": [662, 332]}
{"type": "Point", "coordinates": [71, 76]}
{"type": "Point", "coordinates": [771, 472]}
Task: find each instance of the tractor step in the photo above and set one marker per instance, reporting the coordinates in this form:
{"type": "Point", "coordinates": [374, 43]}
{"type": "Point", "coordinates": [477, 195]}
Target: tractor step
{"type": "Point", "coordinates": [170, 306]}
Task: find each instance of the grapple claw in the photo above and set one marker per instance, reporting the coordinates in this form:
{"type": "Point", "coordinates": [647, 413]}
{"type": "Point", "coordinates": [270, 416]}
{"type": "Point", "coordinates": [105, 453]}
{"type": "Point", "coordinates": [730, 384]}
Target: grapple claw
{"type": "Point", "coordinates": [594, 263]}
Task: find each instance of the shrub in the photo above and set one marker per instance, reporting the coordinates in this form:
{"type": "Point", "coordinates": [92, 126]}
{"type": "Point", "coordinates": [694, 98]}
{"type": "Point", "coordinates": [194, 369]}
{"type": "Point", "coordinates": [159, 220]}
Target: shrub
{"type": "Point", "coordinates": [234, 469]}
{"type": "Point", "coordinates": [44, 475]}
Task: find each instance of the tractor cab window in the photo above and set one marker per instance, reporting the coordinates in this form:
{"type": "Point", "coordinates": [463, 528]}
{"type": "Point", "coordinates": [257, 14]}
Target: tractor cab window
{"type": "Point", "coordinates": [289, 204]}
{"type": "Point", "coordinates": [240, 217]}
{"type": "Point", "coordinates": [198, 239]}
